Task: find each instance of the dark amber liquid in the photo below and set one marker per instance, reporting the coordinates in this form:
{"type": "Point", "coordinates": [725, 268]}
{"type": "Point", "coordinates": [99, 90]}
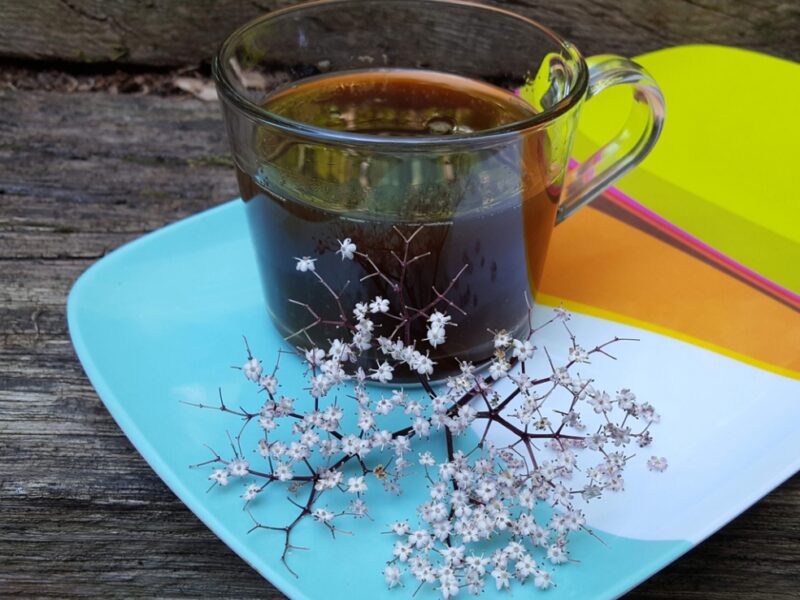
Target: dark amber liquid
{"type": "Point", "coordinates": [487, 208]}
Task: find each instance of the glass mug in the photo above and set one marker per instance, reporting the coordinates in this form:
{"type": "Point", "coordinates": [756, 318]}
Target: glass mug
{"type": "Point", "coordinates": [453, 121]}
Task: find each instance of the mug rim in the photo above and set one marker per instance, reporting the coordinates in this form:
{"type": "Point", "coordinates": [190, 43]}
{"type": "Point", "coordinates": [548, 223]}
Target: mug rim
{"type": "Point", "coordinates": [290, 126]}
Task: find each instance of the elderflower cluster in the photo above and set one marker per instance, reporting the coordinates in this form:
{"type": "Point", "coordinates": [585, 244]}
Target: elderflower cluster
{"type": "Point", "coordinates": [479, 494]}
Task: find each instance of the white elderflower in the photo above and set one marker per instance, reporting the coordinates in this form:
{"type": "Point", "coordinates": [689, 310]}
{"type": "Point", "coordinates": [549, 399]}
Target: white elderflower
{"type": "Point", "coordinates": [435, 336]}
{"type": "Point", "coordinates": [616, 484]}
{"type": "Point", "coordinates": [402, 445]}
{"type": "Point", "coordinates": [401, 551]}
{"type": "Point", "coordinates": [400, 528]}
{"type": "Point", "coordinates": [426, 459]}
{"type": "Point", "coordinates": [305, 264]}
{"type": "Point", "coordinates": [252, 369]}
{"type": "Point", "coordinates": [436, 511]}
{"type": "Point", "coordinates": [422, 570]}
{"type": "Point", "coordinates": [502, 578]}
{"type": "Point", "coordinates": [601, 402]}
{"type": "Point", "coordinates": [645, 439]}
{"type": "Point", "coordinates": [561, 376]}
{"type": "Point", "coordinates": [350, 444]}
{"type": "Point", "coordinates": [453, 556]}
{"type": "Point", "coordinates": [626, 399]}
{"type": "Point", "coordinates": [502, 339]}
{"type": "Point", "coordinates": [499, 559]}
{"type": "Point", "coordinates": [595, 441]}
{"type": "Point", "coordinates": [298, 452]}
{"type": "Point", "coordinates": [267, 424]}
{"type": "Point", "coordinates": [524, 567]}
{"type": "Point", "coordinates": [468, 414]}
{"type": "Point", "coordinates": [384, 406]}
{"type": "Point", "coordinates": [263, 448]}
{"type": "Point", "coordinates": [314, 356]}
{"type": "Point", "coordinates": [360, 311]}
{"type": "Point", "coordinates": [362, 340]}
{"type": "Point", "coordinates": [523, 350]}
{"type": "Point", "coordinates": [439, 319]}
{"type": "Point", "coordinates": [366, 420]}
{"type": "Point", "coordinates": [346, 248]}
{"type": "Point", "coordinates": [540, 536]}
{"type": "Point", "coordinates": [413, 408]}
{"type": "Point", "coordinates": [422, 364]}
{"type": "Point", "coordinates": [578, 355]}
{"type": "Point", "coordinates": [278, 449]}
{"type": "Point", "coordinates": [251, 492]}
{"type": "Point", "coordinates": [486, 490]}
{"type": "Point", "coordinates": [328, 479]}
{"type": "Point", "coordinates": [365, 327]}
{"type": "Point", "coordinates": [309, 438]}
{"type": "Point", "coordinates": [381, 439]}
{"type": "Point", "coordinates": [514, 550]}
{"type": "Point", "coordinates": [649, 414]}
{"type": "Point", "coordinates": [269, 383]}
{"type": "Point", "coordinates": [654, 463]}
{"type": "Point", "coordinates": [284, 407]}
{"type": "Point", "coordinates": [498, 369]}
{"type": "Point", "coordinates": [357, 508]}
{"type": "Point", "coordinates": [442, 529]}
{"type": "Point", "coordinates": [542, 579]}
{"type": "Point", "coordinates": [420, 538]}
{"type": "Point", "coordinates": [329, 447]}
{"type": "Point", "coordinates": [383, 373]}
{"type": "Point", "coordinates": [392, 575]}
{"type": "Point", "coordinates": [480, 497]}
{"type": "Point", "coordinates": [421, 427]}
{"type": "Point", "coordinates": [339, 351]}
{"type": "Point", "coordinates": [556, 554]}
{"type": "Point", "coordinates": [459, 499]}
{"type": "Point", "coordinates": [219, 476]}
{"type": "Point", "coordinates": [322, 515]}
{"type": "Point", "coordinates": [621, 436]}
{"type": "Point", "coordinates": [448, 584]}
{"type": "Point", "coordinates": [238, 467]}
{"type": "Point", "coordinates": [283, 472]}
{"type": "Point", "coordinates": [574, 520]}
{"type": "Point", "coordinates": [320, 384]}
{"type": "Point", "coordinates": [356, 485]}
{"type": "Point", "coordinates": [379, 305]}
{"type": "Point", "coordinates": [438, 490]}
{"type": "Point", "coordinates": [477, 564]}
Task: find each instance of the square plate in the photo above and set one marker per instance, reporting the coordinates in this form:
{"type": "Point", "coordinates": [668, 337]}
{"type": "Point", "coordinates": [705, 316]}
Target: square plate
{"type": "Point", "coordinates": [159, 322]}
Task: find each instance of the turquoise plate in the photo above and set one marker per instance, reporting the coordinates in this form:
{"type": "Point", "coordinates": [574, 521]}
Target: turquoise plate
{"type": "Point", "coordinates": [160, 321]}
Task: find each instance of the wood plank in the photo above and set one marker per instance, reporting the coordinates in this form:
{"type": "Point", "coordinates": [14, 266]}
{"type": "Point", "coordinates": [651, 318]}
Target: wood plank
{"type": "Point", "coordinates": [81, 513]}
{"type": "Point", "coordinates": [166, 33]}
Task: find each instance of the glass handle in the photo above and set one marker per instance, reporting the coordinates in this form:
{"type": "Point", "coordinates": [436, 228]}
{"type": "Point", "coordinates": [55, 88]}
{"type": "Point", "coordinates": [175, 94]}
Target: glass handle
{"type": "Point", "coordinates": [630, 145]}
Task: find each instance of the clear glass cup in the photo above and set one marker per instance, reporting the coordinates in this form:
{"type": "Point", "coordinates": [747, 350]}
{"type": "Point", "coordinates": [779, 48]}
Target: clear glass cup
{"type": "Point", "coordinates": [487, 199]}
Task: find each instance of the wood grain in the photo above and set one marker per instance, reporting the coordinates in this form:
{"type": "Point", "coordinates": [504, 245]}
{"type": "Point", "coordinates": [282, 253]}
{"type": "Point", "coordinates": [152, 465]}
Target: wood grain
{"type": "Point", "coordinates": [165, 32]}
{"type": "Point", "coordinates": [81, 514]}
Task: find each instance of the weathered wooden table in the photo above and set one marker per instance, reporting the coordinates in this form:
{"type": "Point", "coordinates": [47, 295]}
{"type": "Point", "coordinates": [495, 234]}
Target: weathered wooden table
{"type": "Point", "coordinates": [81, 514]}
